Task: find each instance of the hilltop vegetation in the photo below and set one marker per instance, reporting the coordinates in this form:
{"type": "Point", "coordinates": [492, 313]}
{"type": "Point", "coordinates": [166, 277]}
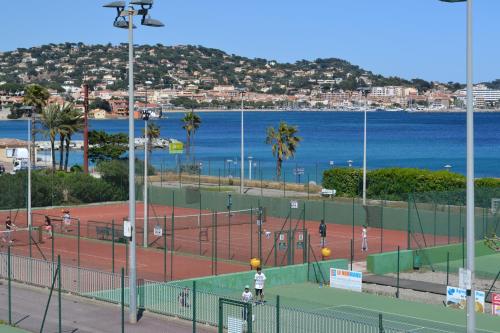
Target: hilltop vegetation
{"type": "Point", "coordinates": [71, 64]}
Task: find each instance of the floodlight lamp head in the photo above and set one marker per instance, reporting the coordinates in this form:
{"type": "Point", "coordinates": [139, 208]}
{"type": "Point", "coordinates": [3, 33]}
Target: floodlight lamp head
{"type": "Point", "coordinates": [122, 24]}
{"type": "Point", "coordinates": [115, 4]}
{"type": "Point", "coordinates": [147, 21]}
{"type": "Point", "coordinates": [145, 4]}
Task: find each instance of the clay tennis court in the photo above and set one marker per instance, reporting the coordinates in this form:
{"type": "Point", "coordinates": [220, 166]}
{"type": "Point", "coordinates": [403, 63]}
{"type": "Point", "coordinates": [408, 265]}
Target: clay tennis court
{"type": "Point", "coordinates": [202, 246]}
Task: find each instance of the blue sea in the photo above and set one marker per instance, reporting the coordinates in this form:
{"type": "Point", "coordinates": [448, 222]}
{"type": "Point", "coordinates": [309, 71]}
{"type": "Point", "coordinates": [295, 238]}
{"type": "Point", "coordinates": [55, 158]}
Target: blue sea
{"type": "Point", "coordinates": [395, 139]}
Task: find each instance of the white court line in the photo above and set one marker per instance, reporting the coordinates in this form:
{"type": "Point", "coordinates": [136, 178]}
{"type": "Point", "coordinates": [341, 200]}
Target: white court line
{"type": "Point", "coordinates": [364, 316]}
{"type": "Point", "coordinates": [405, 316]}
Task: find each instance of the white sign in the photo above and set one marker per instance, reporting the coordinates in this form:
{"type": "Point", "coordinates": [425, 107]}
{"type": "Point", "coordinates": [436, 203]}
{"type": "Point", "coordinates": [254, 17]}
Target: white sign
{"type": "Point", "coordinates": [158, 231]}
{"type": "Point", "coordinates": [344, 279]}
{"type": "Point", "coordinates": [456, 298]}
{"type": "Point", "coordinates": [234, 325]}
{"type": "Point", "coordinates": [464, 278]}
{"type": "Point", "coordinates": [127, 229]}
{"type": "Point", "coordinates": [294, 204]}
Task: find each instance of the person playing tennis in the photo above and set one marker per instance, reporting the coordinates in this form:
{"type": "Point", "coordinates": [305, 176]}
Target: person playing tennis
{"type": "Point", "coordinates": [322, 232]}
{"type": "Point", "coordinates": [66, 220]}
{"type": "Point", "coordinates": [259, 279]}
{"type": "Point", "coordinates": [364, 237]}
{"type": "Point", "coordinates": [9, 228]}
{"type": "Point", "coordinates": [48, 226]}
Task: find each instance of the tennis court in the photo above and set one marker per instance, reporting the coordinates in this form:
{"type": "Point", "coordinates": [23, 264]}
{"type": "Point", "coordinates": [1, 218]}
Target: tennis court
{"type": "Point", "coordinates": [410, 316]}
{"type": "Point", "coordinates": [485, 266]}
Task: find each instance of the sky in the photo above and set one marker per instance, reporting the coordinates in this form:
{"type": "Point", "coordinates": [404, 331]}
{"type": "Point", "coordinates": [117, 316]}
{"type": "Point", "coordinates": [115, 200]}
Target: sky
{"type": "Point", "coordinates": [406, 38]}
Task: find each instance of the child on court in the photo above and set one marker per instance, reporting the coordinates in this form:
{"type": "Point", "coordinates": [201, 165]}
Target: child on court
{"type": "Point", "coordinates": [364, 238]}
{"type": "Point", "coordinates": [247, 298]}
{"type": "Point", "coordinates": [259, 279]}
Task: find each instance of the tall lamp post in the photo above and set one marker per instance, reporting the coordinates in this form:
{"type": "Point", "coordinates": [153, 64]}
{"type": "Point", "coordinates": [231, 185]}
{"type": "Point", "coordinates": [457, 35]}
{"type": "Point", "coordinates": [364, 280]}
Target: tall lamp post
{"type": "Point", "coordinates": [125, 20]}
{"type": "Point", "coordinates": [471, 314]}
{"type": "Point", "coordinates": [242, 166]}
{"type": "Point", "coordinates": [145, 116]}
{"type": "Point", "coordinates": [364, 93]}
{"type": "Point", "coordinates": [146, 113]}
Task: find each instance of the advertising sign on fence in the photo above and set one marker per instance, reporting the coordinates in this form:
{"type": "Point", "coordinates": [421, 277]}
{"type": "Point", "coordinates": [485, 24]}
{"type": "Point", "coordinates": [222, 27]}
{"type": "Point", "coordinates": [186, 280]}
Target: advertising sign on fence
{"type": "Point", "coordinates": [495, 304]}
{"type": "Point", "coordinates": [294, 204]}
{"type": "Point", "coordinates": [456, 298]}
{"type": "Point", "coordinates": [343, 279]}
{"type": "Point", "coordinates": [158, 231]}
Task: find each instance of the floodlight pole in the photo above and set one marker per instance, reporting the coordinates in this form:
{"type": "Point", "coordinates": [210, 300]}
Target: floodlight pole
{"type": "Point", "coordinates": [471, 314]}
{"type": "Point", "coordinates": [131, 171]}
{"type": "Point", "coordinates": [28, 204]}
{"type": "Point", "coordinates": [146, 135]}
{"type": "Point", "coordinates": [242, 166]}
{"type": "Point", "coordinates": [364, 151]}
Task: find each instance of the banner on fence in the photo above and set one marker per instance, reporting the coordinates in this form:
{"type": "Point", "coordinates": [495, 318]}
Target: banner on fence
{"type": "Point", "coordinates": [456, 298]}
{"type": "Point", "coordinates": [495, 304]}
{"type": "Point", "coordinates": [344, 279]}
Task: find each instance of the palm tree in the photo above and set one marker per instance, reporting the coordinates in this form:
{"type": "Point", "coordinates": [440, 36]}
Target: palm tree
{"type": "Point", "coordinates": [284, 141]}
{"type": "Point", "coordinates": [71, 123]}
{"type": "Point", "coordinates": [153, 133]}
{"type": "Point", "coordinates": [50, 123]}
{"type": "Point", "coordinates": [191, 122]}
{"type": "Point", "coordinates": [37, 97]}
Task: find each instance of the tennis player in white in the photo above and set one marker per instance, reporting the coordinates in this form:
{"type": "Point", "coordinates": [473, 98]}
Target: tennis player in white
{"type": "Point", "coordinates": [364, 237]}
{"type": "Point", "coordinates": [259, 279]}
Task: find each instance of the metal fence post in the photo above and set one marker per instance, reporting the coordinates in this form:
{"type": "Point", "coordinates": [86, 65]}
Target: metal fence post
{"type": "Point", "coordinates": [382, 226]}
{"type": "Point", "coordinates": [352, 252]}
{"type": "Point", "coordinates": [449, 224]}
{"type": "Point", "coordinates": [408, 227]}
{"type": "Point", "coordinates": [113, 245]}
{"type": "Point", "coordinates": [9, 273]}
{"type": "Point", "coordinates": [59, 292]}
{"type": "Point", "coordinates": [164, 248]}
{"type": "Point", "coordinates": [397, 282]}
{"type": "Point", "coordinates": [447, 268]}
{"type": "Point", "coordinates": [194, 306]}
{"type": "Point", "coordinates": [78, 254]}
{"type": "Point", "coordinates": [172, 246]}
{"type": "Point", "coordinates": [278, 314]}
{"type": "Point", "coordinates": [380, 324]}
{"type": "Point", "coordinates": [122, 300]}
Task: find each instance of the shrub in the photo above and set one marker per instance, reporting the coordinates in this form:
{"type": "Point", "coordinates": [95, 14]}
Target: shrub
{"type": "Point", "coordinates": [395, 184]}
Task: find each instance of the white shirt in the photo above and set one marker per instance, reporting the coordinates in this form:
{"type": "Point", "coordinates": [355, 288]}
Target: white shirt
{"type": "Point", "coordinates": [246, 296]}
{"type": "Point", "coordinates": [66, 219]}
{"type": "Point", "coordinates": [259, 280]}
{"type": "Point", "coordinates": [363, 233]}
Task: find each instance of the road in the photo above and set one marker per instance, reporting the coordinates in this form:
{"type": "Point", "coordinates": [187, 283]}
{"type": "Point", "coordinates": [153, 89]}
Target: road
{"type": "Point", "coordinates": [81, 315]}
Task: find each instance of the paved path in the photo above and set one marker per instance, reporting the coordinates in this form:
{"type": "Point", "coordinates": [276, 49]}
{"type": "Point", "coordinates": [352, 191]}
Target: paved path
{"type": "Point", "coordinates": [81, 315]}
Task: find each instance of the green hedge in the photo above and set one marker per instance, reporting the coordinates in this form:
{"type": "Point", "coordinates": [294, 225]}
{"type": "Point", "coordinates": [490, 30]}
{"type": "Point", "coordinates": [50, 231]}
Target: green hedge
{"type": "Point", "coordinates": [53, 189]}
{"type": "Point", "coordinates": [396, 183]}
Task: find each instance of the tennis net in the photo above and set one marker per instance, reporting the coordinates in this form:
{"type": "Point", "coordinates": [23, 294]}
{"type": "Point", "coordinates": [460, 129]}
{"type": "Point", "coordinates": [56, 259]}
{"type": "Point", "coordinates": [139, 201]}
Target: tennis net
{"type": "Point", "coordinates": [203, 220]}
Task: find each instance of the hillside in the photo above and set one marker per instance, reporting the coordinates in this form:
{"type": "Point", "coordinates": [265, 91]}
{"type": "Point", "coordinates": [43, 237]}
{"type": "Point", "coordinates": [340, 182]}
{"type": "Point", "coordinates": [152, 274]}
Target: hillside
{"type": "Point", "coordinates": [71, 64]}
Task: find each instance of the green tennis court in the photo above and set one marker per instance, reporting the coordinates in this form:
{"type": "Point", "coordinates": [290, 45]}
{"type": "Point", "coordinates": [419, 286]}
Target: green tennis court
{"type": "Point", "coordinates": [485, 266]}
{"type": "Point", "coordinates": [10, 329]}
{"type": "Point", "coordinates": [410, 316]}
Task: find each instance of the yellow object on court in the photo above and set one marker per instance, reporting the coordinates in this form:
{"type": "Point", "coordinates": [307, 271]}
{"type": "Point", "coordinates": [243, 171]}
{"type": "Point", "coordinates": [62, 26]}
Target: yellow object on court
{"type": "Point", "coordinates": [326, 252]}
{"type": "Point", "coordinates": [255, 262]}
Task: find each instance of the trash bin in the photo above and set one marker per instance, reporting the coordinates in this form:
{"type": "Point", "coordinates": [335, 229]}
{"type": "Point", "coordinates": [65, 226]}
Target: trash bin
{"type": "Point", "coordinates": [416, 261]}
